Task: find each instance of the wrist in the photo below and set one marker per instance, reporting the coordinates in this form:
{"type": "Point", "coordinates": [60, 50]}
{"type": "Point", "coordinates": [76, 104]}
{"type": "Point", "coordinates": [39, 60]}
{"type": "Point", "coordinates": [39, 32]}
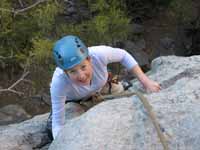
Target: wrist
{"type": "Point", "coordinates": [141, 76]}
{"type": "Point", "coordinates": [143, 79]}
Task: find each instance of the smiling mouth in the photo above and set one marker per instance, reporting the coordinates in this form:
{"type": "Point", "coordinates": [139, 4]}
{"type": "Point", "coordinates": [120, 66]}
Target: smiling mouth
{"type": "Point", "coordinates": [86, 82]}
{"type": "Point", "coordinates": [83, 81]}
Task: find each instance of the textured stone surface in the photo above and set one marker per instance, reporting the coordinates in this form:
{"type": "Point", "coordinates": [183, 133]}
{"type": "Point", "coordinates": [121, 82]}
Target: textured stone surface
{"type": "Point", "coordinates": [124, 124]}
{"type": "Point", "coordinates": [27, 135]}
{"type": "Point", "coordinates": [12, 114]}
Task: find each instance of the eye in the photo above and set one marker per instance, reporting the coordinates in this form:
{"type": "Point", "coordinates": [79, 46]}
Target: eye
{"type": "Point", "coordinates": [72, 71]}
{"type": "Point", "coordinates": [83, 66]}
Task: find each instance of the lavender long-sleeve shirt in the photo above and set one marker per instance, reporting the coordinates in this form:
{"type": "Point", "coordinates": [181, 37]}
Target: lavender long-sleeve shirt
{"type": "Point", "coordinates": [62, 88]}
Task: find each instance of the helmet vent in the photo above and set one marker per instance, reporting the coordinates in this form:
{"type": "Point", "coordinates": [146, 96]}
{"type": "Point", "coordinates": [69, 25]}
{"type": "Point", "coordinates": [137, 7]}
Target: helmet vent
{"type": "Point", "coordinates": [77, 42]}
{"type": "Point", "coordinates": [59, 57]}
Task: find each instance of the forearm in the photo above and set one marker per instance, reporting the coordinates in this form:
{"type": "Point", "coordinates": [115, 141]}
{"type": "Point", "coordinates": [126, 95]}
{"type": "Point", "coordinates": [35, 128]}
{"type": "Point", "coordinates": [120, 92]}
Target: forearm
{"type": "Point", "coordinates": [148, 84]}
{"type": "Point", "coordinates": [57, 122]}
{"type": "Point", "coordinates": [58, 114]}
{"type": "Point", "coordinates": [140, 75]}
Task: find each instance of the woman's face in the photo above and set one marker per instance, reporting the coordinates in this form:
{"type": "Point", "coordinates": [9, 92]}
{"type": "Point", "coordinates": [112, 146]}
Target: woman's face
{"type": "Point", "coordinates": [81, 74]}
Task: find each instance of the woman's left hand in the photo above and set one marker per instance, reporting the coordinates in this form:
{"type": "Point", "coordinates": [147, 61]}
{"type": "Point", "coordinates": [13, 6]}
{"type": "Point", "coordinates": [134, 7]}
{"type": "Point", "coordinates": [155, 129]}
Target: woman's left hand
{"type": "Point", "coordinates": [151, 85]}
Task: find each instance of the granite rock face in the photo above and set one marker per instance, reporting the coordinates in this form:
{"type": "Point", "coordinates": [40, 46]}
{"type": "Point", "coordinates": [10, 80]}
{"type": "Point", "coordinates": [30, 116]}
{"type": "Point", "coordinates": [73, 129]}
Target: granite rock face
{"type": "Point", "coordinates": [27, 135]}
{"type": "Point", "coordinates": [124, 123]}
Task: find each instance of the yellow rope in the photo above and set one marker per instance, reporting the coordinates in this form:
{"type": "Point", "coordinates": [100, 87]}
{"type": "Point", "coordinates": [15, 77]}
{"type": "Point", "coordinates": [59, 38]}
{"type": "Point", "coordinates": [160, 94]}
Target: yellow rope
{"type": "Point", "coordinates": [149, 109]}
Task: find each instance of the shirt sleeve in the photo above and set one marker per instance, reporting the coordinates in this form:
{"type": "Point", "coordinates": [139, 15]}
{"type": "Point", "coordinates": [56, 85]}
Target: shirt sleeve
{"type": "Point", "coordinates": [58, 98]}
{"type": "Point", "coordinates": [109, 54]}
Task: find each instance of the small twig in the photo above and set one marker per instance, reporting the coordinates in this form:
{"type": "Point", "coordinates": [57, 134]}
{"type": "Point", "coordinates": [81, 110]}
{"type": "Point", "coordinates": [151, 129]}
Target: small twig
{"type": "Point", "coordinates": [28, 81]}
{"type": "Point", "coordinates": [10, 89]}
{"type": "Point", "coordinates": [16, 12]}
{"type": "Point", "coordinates": [29, 7]}
{"type": "Point", "coordinates": [21, 4]}
{"type": "Point", "coordinates": [22, 78]}
{"type": "Point", "coordinates": [1, 57]}
{"type": "Point", "coordinates": [56, 2]}
{"type": "Point", "coordinates": [11, 56]}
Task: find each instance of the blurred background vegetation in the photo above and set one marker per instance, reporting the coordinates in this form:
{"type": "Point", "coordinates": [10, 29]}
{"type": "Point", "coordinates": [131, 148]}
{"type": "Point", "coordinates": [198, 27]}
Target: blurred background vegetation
{"type": "Point", "coordinates": [28, 29]}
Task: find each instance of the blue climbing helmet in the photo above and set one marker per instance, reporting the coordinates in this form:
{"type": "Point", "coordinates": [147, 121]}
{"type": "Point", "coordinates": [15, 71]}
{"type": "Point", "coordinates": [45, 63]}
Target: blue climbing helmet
{"type": "Point", "coordinates": [69, 51]}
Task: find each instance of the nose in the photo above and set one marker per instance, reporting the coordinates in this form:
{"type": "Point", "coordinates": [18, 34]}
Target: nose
{"type": "Point", "coordinates": [81, 75]}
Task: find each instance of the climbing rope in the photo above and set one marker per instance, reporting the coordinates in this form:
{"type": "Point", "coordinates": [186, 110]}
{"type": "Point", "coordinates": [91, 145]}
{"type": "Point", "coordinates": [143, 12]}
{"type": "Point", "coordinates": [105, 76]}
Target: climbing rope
{"type": "Point", "coordinates": [149, 109]}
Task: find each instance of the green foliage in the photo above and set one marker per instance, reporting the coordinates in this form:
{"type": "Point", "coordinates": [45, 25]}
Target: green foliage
{"type": "Point", "coordinates": [6, 17]}
{"type": "Point", "coordinates": [5, 24]}
{"type": "Point", "coordinates": [40, 62]}
{"type": "Point", "coordinates": [44, 17]}
{"type": "Point", "coordinates": [26, 39]}
{"type": "Point", "coordinates": [42, 51]}
{"type": "Point", "coordinates": [19, 30]}
{"type": "Point", "coordinates": [182, 10]}
{"type": "Point", "coordinates": [67, 29]}
{"type": "Point", "coordinates": [108, 24]}
{"type": "Point", "coordinates": [99, 5]}
{"type": "Point", "coordinates": [111, 27]}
